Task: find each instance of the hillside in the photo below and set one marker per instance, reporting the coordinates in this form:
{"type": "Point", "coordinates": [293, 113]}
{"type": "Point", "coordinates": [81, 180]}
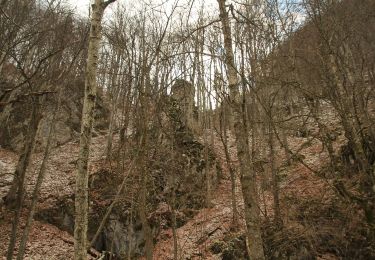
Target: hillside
{"type": "Point", "coordinates": [187, 130]}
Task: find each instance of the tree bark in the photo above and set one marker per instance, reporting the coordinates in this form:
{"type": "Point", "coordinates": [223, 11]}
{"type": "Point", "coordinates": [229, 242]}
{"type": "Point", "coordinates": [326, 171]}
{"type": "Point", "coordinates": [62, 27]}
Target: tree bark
{"type": "Point", "coordinates": [174, 219]}
{"type": "Point", "coordinates": [224, 140]}
{"type": "Point", "coordinates": [275, 178]}
{"type": "Point", "coordinates": [112, 97]}
{"type": "Point", "coordinates": [15, 195]}
{"type": "Point", "coordinates": [81, 190]}
{"type": "Point", "coordinates": [248, 184]}
{"type": "Point", "coordinates": [149, 246]}
{"type": "Point", "coordinates": [38, 185]}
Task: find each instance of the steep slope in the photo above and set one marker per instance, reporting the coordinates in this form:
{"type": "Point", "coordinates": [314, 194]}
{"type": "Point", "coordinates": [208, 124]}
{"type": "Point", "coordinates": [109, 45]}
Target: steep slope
{"type": "Point", "coordinates": [47, 241]}
{"type": "Point", "coordinates": [317, 223]}
{"type": "Point", "coordinates": [198, 237]}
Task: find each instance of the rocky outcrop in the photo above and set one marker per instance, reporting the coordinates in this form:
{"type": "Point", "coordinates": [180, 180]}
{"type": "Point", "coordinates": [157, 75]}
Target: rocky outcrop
{"type": "Point", "coordinates": [183, 93]}
{"type": "Point", "coordinates": [181, 170]}
{"type": "Point", "coordinates": [15, 113]}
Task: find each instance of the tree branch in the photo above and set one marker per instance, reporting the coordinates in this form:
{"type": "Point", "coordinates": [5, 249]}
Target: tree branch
{"type": "Point", "coordinates": [108, 2]}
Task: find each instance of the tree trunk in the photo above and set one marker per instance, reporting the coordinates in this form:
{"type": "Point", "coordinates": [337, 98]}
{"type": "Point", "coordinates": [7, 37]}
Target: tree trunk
{"type": "Point", "coordinates": [224, 140]}
{"type": "Point", "coordinates": [39, 182]}
{"type": "Point", "coordinates": [174, 220]}
{"type": "Point", "coordinates": [15, 195]}
{"type": "Point", "coordinates": [113, 96]}
{"type": "Point", "coordinates": [109, 209]}
{"type": "Point", "coordinates": [275, 179]}
{"type": "Point", "coordinates": [81, 190]}
{"type": "Point", "coordinates": [248, 184]}
{"type": "Point", "coordinates": [143, 216]}
{"type": "Point", "coordinates": [351, 132]}
{"type": "Point", "coordinates": [207, 172]}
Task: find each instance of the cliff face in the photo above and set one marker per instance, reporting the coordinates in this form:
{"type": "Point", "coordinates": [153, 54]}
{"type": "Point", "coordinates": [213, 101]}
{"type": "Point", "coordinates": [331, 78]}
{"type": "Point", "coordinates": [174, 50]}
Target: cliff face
{"type": "Point", "coordinates": [183, 94]}
{"type": "Point", "coordinates": [16, 108]}
{"type": "Point", "coordinates": [177, 167]}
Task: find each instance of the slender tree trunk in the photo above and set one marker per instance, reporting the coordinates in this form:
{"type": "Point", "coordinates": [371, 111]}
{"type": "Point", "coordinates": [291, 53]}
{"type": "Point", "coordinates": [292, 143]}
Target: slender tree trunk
{"type": "Point", "coordinates": [207, 172]}
{"type": "Point", "coordinates": [17, 190]}
{"type": "Point", "coordinates": [109, 209]}
{"type": "Point", "coordinates": [248, 185]}
{"type": "Point", "coordinates": [2, 59]}
{"type": "Point", "coordinates": [111, 126]}
{"type": "Point", "coordinates": [113, 96]}
{"type": "Point", "coordinates": [143, 216]}
{"type": "Point", "coordinates": [232, 173]}
{"type": "Point", "coordinates": [81, 190]}
{"type": "Point", "coordinates": [351, 131]}
{"type": "Point", "coordinates": [130, 229]}
{"type": "Point", "coordinates": [174, 221]}
{"type": "Point", "coordinates": [24, 159]}
{"type": "Point", "coordinates": [286, 145]}
{"type": "Point", "coordinates": [39, 182]}
{"type": "Point", "coordinates": [275, 179]}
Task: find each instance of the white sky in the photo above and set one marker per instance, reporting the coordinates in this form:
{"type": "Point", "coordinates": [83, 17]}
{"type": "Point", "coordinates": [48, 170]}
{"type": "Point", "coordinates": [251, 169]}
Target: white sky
{"type": "Point", "coordinates": [81, 7]}
{"type": "Point", "coordinates": [210, 8]}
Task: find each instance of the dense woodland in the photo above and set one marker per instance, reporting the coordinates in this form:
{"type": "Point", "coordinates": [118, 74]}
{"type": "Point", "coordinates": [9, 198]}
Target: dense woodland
{"type": "Point", "coordinates": [187, 130]}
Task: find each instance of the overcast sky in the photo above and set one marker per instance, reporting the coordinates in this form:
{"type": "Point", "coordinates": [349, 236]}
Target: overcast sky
{"type": "Point", "coordinates": [82, 6]}
{"type": "Point", "coordinates": [210, 7]}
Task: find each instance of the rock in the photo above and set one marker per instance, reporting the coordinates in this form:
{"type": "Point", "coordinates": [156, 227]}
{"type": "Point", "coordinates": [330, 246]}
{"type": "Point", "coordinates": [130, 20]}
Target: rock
{"type": "Point", "coordinates": [15, 116]}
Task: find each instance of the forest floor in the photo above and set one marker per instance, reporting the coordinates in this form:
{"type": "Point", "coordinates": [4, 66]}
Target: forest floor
{"type": "Point", "coordinates": [195, 238]}
{"type": "Point", "coordinates": [46, 242]}
{"type": "Point", "coordinates": [198, 236]}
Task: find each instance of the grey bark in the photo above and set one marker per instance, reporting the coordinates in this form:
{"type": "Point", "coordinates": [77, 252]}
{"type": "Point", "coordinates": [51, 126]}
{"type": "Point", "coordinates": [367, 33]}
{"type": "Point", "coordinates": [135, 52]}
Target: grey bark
{"type": "Point", "coordinates": [81, 190]}
{"type": "Point", "coordinates": [275, 179]}
{"type": "Point", "coordinates": [17, 190]}
{"type": "Point", "coordinates": [224, 140]}
{"type": "Point", "coordinates": [248, 185]}
{"type": "Point", "coordinates": [38, 185]}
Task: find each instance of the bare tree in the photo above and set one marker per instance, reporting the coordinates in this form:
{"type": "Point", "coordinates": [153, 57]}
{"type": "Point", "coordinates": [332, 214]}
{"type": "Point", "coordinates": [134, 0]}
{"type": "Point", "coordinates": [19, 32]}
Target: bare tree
{"type": "Point", "coordinates": [248, 184]}
{"type": "Point", "coordinates": [81, 191]}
